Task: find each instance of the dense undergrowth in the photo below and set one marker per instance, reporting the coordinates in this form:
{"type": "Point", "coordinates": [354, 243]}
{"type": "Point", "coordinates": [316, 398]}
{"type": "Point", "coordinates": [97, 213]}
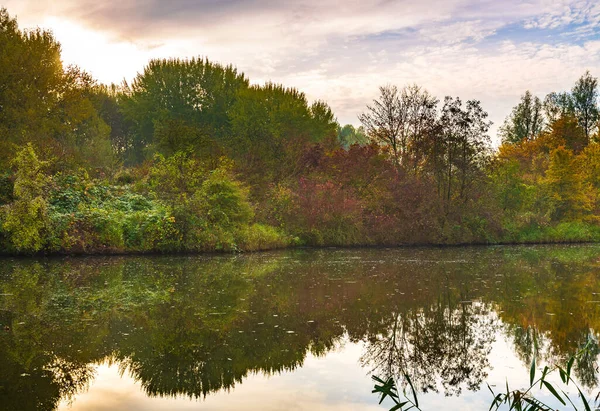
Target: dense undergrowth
{"type": "Point", "coordinates": [178, 205]}
{"type": "Point", "coordinates": [73, 213]}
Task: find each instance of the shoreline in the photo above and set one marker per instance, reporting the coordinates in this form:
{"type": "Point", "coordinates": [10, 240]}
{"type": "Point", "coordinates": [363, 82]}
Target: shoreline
{"type": "Point", "coordinates": [107, 253]}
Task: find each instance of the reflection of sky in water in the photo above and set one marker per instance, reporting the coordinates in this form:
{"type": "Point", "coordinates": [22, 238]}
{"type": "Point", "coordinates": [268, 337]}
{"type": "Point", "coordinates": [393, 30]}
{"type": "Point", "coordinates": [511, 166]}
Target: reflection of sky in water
{"type": "Point", "coordinates": [335, 381]}
{"type": "Point", "coordinates": [456, 317]}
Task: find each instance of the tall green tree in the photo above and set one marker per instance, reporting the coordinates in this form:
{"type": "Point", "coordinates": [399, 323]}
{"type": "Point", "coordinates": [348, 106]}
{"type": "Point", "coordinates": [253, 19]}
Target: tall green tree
{"type": "Point", "coordinates": [525, 122]}
{"type": "Point", "coordinates": [324, 123]}
{"type": "Point", "coordinates": [510, 190]}
{"type": "Point", "coordinates": [45, 104]}
{"type": "Point", "coordinates": [30, 82]}
{"type": "Point", "coordinates": [108, 102]}
{"type": "Point", "coordinates": [82, 135]}
{"type": "Point", "coordinates": [349, 135]}
{"type": "Point", "coordinates": [557, 105]}
{"type": "Point", "coordinates": [460, 149]}
{"type": "Point", "coordinates": [193, 93]}
{"type": "Point", "coordinates": [585, 103]}
{"type": "Point", "coordinates": [272, 126]}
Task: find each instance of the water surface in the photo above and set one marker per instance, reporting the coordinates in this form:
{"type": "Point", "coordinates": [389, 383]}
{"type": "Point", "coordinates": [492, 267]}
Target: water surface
{"type": "Point", "coordinates": [301, 329]}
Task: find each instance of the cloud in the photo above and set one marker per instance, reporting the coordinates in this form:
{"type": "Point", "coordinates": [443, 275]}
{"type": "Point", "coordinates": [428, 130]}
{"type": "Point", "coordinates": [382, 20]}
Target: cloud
{"type": "Point", "coordinates": [561, 13]}
{"type": "Point", "coordinates": [492, 50]}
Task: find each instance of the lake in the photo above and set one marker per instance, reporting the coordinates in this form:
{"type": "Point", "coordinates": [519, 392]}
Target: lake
{"type": "Point", "coordinates": [299, 329]}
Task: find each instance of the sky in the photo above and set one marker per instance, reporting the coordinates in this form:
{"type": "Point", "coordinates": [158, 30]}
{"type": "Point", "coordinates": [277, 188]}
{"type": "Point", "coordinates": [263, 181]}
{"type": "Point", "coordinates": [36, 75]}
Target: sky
{"type": "Point", "coordinates": [340, 51]}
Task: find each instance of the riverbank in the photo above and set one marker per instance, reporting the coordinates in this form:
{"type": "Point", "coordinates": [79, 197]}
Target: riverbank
{"type": "Point", "coordinates": [259, 238]}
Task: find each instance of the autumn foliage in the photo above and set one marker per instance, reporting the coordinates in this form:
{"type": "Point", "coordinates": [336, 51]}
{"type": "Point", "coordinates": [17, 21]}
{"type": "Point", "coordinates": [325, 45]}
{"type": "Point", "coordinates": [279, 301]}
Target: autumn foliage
{"type": "Point", "coordinates": [190, 156]}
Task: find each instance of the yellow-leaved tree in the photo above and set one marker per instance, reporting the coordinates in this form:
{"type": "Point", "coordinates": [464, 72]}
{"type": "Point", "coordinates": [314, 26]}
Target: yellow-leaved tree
{"type": "Point", "coordinates": [26, 218]}
{"type": "Point", "coordinates": [567, 193]}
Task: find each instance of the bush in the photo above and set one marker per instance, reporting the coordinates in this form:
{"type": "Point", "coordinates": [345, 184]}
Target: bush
{"type": "Point", "coordinates": [152, 230]}
{"type": "Point", "coordinates": [26, 219]}
{"type": "Point", "coordinates": [106, 227]}
{"type": "Point", "coordinates": [261, 237]}
{"type": "Point", "coordinates": [124, 177]}
{"type": "Point", "coordinates": [224, 200]}
{"type": "Point", "coordinates": [130, 202]}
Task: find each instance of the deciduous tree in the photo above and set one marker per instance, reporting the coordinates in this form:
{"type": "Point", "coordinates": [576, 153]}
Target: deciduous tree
{"type": "Point", "coordinates": [585, 103]}
{"type": "Point", "coordinates": [525, 122]}
{"type": "Point", "coordinates": [398, 119]}
{"type": "Point", "coordinates": [565, 187]}
{"type": "Point", "coordinates": [27, 217]}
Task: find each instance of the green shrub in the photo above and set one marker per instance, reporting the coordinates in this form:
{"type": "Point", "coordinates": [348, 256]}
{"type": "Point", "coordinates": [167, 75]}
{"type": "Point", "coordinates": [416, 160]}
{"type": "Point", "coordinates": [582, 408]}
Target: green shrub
{"type": "Point", "coordinates": [209, 211]}
{"type": "Point", "coordinates": [159, 232]}
{"type": "Point", "coordinates": [261, 237]}
{"type": "Point", "coordinates": [69, 190]}
{"type": "Point", "coordinates": [573, 231]}
{"type": "Point", "coordinates": [26, 219]}
{"type": "Point", "coordinates": [106, 227]}
{"type": "Point", "coordinates": [60, 238]}
{"type": "Point", "coordinates": [225, 201]}
{"type": "Point", "coordinates": [124, 177]}
{"type": "Point", "coordinates": [67, 200]}
{"type": "Point", "coordinates": [129, 202]}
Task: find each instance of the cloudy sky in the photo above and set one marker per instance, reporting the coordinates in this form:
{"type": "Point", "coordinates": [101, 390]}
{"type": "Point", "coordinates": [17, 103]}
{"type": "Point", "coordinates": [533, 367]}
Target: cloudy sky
{"type": "Point", "coordinates": [340, 50]}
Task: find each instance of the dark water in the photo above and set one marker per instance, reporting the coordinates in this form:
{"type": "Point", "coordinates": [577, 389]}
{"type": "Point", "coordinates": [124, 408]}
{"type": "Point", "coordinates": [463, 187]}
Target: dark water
{"type": "Point", "coordinates": [300, 329]}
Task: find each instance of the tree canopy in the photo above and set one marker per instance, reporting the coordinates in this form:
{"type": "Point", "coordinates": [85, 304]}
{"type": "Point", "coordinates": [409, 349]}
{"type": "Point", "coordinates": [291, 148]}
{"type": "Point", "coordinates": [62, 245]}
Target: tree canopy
{"type": "Point", "coordinates": [192, 156]}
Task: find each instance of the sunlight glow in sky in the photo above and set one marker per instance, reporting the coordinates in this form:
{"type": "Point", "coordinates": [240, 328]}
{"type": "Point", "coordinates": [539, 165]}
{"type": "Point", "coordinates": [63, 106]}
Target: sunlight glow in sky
{"type": "Point", "coordinates": [491, 50]}
{"type": "Point", "coordinates": [314, 386]}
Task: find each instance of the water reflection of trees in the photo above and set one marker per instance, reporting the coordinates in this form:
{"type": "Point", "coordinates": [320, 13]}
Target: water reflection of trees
{"type": "Point", "coordinates": [446, 343]}
{"type": "Point", "coordinates": [192, 326]}
{"type": "Point", "coordinates": [548, 302]}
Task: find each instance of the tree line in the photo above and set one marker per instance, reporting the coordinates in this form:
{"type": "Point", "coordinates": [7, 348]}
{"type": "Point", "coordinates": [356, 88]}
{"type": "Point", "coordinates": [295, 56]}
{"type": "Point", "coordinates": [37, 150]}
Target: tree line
{"type": "Point", "coordinates": [189, 156]}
